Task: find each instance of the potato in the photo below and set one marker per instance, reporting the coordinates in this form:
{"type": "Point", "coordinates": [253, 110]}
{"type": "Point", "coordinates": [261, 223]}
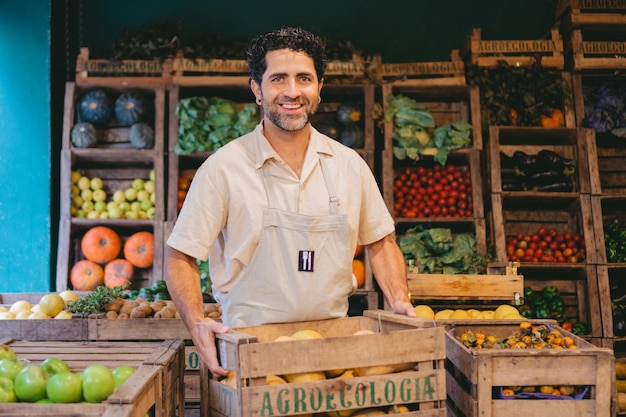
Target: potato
{"type": "Point", "coordinates": [167, 313]}
{"type": "Point", "coordinates": [138, 313]}
{"type": "Point", "coordinates": [111, 314]}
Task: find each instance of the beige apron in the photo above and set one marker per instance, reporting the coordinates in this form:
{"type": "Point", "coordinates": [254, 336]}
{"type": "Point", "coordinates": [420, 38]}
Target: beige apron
{"type": "Point", "coordinates": [300, 270]}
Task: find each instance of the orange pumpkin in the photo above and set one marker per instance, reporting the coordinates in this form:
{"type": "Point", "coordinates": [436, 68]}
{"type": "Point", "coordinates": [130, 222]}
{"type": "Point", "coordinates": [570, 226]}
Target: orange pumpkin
{"type": "Point", "coordinates": [118, 272]}
{"type": "Point", "coordinates": [86, 275]}
{"type": "Point", "coordinates": [139, 249]}
{"type": "Point", "coordinates": [555, 119]}
{"type": "Point", "coordinates": [101, 244]}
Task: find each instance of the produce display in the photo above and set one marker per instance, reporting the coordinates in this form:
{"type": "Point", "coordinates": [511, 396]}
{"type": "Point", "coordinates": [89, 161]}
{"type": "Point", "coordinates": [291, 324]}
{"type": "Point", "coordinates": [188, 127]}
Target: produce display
{"type": "Point", "coordinates": [91, 200]}
{"type": "Point", "coordinates": [95, 107]}
{"type": "Point", "coordinates": [53, 381]}
{"type": "Point", "coordinates": [546, 245]}
{"type": "Point", "coordinates": [206, 124]}
{"type": "Point", "coordinates": [436, 251]}
{"type": "Point", "coordinates": [604, 106]}
{"type": "Point", "coordinates": [528, 336]}
{"type": "Point", "coordinates": [549, 304]}
{"type": "Point", "coordinates": [50, 306]}
{"type": "Point", "coordinates": [620, 375]}
{"type": "Point", "coordinates": [415, 132]}
{"type": "Point", "coordinates": [183, 187]}
{"type": "Point", "coordinates": [437, 191]}
{"type": "Point", "coordinates": [501, 312]}
{"type": "Point", "coordinates": [545, 171]}
{"type": "Point", "coordinates": [615, 240]}
{"type": "Point", "coordinates": [524, 95]}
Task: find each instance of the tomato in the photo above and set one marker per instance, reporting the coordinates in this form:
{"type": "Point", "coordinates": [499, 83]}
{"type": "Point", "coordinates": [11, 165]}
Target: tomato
{"type": "Point", "coordinates": [542, 231]}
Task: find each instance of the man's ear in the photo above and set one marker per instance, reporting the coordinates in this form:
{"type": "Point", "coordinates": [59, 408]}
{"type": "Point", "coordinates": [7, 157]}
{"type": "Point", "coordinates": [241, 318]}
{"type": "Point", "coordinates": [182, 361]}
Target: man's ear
{"type": "Point", "coordinates": [256, 89]}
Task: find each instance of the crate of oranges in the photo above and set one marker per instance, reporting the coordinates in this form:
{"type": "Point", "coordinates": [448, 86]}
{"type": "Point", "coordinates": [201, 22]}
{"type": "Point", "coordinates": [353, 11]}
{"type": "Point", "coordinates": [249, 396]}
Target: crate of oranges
{"type": "Point", "coordinates": [493, 369]}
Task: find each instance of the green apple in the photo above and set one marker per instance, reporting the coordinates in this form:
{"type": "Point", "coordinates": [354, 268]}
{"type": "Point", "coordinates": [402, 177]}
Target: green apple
{"type": "Point", "coordinates": [99, 195]}
{"type": "Point", "coordinates": [98, 383]}
{"type": "Point", "coordinates": [65, 387]}
{"type": "Point", "coordinates": [7, 390]}
{"type": "Point", "coordinates": [146, 205]}
{"type": "Point", "coordinates": [135, 206]}
{"type": "Point", "coordinates": [83, 183]}
{"type": "Point", "coordinates": [87, 195]}
{"type": "Point", "coordinates": [55, 366]}
{"type": "Point", "coordinates": [30, 383]}
{"type": "Point", "coordinates": [6, 352]}
{"type": "Point", "coordinates": [143, 195]}
{"type": "Point", "coordinates": [119, 196]}
{"type": "Point", "coordinates": [100, 206]}
{"type": "Point", "coordinates": [151, 213]}
{"type": "Point", "coordinates": [138, 184]}
{"type": "Point", "coordinates": [131, 194]}
{"type": "Point", "coordinates": [88, 206]}
{"type": "Point", "coordinates": [121, 374]}
{"type": "Point", "coordinates": [9, 367]}
{"type": "Point", "coordinates": [74, 177]}
{"type": "Point", "coordinates": [124, 206]}
{"type": "Point", "coordinates": [96, 183]}
{"type": "Point", "coordinates": [149, 186]}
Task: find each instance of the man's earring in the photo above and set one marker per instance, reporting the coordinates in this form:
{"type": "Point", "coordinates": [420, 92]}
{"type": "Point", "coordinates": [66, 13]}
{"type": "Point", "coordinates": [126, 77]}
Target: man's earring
{"type": "Point", "coordinates": [319, 99]}
{"type": "Point", "coordinates": [258, 101]}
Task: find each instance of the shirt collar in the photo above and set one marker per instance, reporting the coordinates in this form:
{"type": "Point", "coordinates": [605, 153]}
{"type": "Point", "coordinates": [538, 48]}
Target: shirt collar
{"type": "Point", "coordinates": [317, 145]}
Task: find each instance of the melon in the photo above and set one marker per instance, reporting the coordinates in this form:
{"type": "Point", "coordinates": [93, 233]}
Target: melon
{"type": "Point", "coordinates": [84, 135]}
{"type": "Point", "coordinates": [141, 136]}
{"type": "Point", "coordinates": [132, 107]}
{"type": "Point", "coordinates": [95, 107]}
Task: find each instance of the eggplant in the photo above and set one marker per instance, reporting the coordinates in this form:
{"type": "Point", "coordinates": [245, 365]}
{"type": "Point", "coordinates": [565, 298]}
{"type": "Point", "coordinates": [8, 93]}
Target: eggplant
{"type": "Point", "coordinates": [513, 186]}
{"type": "Point", "coordinates": [556, 187]}
{"type": "Point", "coordinates": [507, 162]}
{"type": "Point", "coordinates": [547, 177]}
{"type": "Point", "coordinates": [528, 165]}
{"type": "Point", "coordinates": [552, 160]}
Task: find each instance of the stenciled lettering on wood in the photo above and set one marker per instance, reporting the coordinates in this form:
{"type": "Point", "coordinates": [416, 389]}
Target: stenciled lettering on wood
{"type": "Point", "coordinates": [618, 48]}
{"type": "Point", "coordinates": [602, 4]}
{"type": "Point", "coordinates": [516, 46]}
{"type": "Point", "coordinates": [415, 68]}
{"type": "Point", "coordinates": [298, 400]}
{"type": "Point", "coordinates": [123, 66]}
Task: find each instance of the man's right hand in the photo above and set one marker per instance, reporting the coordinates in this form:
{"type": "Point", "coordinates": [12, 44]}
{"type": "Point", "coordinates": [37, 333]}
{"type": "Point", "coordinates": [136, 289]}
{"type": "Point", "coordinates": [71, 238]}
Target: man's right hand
{"type": "Point", "coordinates": [204, 339]}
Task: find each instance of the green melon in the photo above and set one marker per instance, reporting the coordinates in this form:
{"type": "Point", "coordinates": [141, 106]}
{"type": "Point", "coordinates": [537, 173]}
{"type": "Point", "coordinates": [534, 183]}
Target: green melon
{"type": "Point", "coordinates": [141, 136]}
{"type": "Point", "coordinates": [84, 135]}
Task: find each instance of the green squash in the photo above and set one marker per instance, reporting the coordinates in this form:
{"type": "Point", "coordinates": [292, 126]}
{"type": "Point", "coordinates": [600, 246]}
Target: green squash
{"type": "Point", "coordinates": [132, 107]}
{"type": "Point", "coordinates": [95, 107]}
{"type": "Point", "coordinates": [141, 136]}
{"type": "Point", "coordinates": [84, 135]}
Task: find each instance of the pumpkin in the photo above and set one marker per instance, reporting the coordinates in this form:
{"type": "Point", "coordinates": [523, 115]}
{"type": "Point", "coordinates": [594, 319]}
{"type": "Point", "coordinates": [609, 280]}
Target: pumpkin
{"type": "Point", "coordinates": [118, 272]}
{"type": "Point", "coordinates": [555, 119]}
{"type": "Point", "coordinates": [348, 113]}
{"type": "Point", "coordinates": [94, 107]}
{"type": "Point", "coordinates": [86, 275]}
{"type": "Point", "coordinates": [139, 249]}
{"type": "Point", "coordinates": [101, 244]}
{"type": "Point", "coordinates": [141, 136]}
{"type": "Point", "coordinates": [84, 135]}
{"type": "Point", "coordinates": [131, 107]}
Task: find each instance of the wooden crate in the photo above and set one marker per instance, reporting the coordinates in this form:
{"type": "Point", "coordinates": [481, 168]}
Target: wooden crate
{"type": "Point", "coordinates": [113, 138]}
{"type": "Point", "coordinates": [580, 13]}
{"type": "Point", "coordinates": [155, 388]}
{"type": "Point", "coordinates": [72, 230]}
{"type": "Point", "coordinates": [606, 209]}
{"type": "Point", "coordinates": [487, 53]}
{"type": "Point", "coordinates": [514, 213]}
{"type": "Point", "coordinates": [423, 73]}
{"type": "Point", "coordinates": [474, 374]}
{"type": "Point", "coordinates": [612, 286]}
{"type": "Point", "coordinates": [596, 50]}
{"type": "Point", "coordinates": [607, 165]}
{"type": "Point", "coordinates": [129, 71]}
{"type": "Point", "coordinates": [253, 354]}
{"type": "Point", "coordinates": [567, 143]}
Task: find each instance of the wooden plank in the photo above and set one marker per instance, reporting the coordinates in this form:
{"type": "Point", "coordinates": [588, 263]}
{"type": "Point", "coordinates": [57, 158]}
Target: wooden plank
{"type": "Point", "coordinates": [596, 54]}
{"type": "Point", "coordinates": [423, 73]}
{"type": "Point", "coordinates": [463, 287]}
{"type": "Point", "coordinates": [127, 71]}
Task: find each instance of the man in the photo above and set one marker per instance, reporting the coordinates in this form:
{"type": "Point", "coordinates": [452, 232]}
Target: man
{"type": "Point", "coordinates": [279, 211]}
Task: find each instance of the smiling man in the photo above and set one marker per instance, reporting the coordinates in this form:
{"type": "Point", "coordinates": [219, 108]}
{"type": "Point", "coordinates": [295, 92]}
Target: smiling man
{"type": "Point", "coordinates": [279, 212]}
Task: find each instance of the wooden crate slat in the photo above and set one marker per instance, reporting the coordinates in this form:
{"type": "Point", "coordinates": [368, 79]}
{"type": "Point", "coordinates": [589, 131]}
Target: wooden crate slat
{"type": "Point", "coordinates": [132, 71]}
{"type": "Point", "coordinates": [423, 73]}
{"type": "Point", "coordinates": [487, 53]}
{"type": "Point", "coordinates": [465, 287]}
{"type": "Point", "coordinates": [589, 53]}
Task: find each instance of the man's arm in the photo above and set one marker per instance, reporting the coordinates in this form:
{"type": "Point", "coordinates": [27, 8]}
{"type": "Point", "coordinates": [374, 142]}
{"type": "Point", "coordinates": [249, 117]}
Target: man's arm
{"type": "Point", "coordinates": [389, 268]}
{"type": "Point", "coordinates": [183, 282]}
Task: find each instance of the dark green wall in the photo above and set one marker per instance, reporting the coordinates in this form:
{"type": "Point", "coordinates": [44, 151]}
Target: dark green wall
{"type": "Point", "coordinates": [32, 79]}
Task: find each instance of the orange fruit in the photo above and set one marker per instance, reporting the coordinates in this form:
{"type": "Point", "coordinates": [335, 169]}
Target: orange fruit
{"type": "Point", "coordinates": [358, 251]}
{"type": "Point", "coordinates": [358, 269]}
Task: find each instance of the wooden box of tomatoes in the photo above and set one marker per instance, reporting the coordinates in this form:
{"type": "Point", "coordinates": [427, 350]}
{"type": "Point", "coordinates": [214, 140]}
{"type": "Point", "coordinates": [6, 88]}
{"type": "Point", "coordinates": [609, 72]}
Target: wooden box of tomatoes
{"type": "Point", "coordinates": [526, 369]}
{"type": "Point", "coordinates": [155, 387]}
{"type": "Point", "coordinates": [335, 366]}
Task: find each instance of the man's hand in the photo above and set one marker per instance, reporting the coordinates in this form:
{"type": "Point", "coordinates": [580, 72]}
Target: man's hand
{"type": "Point", "coordinates": [405, 308]}
{"type": "Point", "coordinates": [204, 339]}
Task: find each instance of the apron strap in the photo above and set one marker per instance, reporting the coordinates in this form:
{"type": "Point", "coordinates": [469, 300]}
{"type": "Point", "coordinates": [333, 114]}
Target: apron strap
{"type": "Point", "coordinates": [333, 200]}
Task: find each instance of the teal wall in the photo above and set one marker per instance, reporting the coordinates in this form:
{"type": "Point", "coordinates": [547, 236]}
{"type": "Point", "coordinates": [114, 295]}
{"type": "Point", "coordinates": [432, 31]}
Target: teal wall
{"type": "Point", "coordinates": [25, 147]}
{"type": "Point", "coordinates": [36, 66]}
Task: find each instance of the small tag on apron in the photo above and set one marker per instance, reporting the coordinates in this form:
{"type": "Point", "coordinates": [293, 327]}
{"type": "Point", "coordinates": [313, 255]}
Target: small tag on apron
{"type": "Point", "coordinates": [305, 260]}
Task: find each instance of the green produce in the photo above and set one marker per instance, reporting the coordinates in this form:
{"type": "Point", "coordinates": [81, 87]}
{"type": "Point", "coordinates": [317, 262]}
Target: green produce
{"type": "Point", "coordinates": [10, 367]}
{"type": "Point", "coordinates": [141, 136]}
{"type": "Point", "coordinates": [132, 107]}
{"type": "Point", "coordinates": [95, 301]}
{"type": "Point", "coordinates": [30, 383]}
{"type": "Point", "coordinates": [580, 328]}
{"type": "Point", "coordinates": [94, 107]}
{"type": "Point", "coordinates": [7, 390]}
{"type": "Point", "coordinates": [437, 252]}
{"type": "Point", "coordinates": [615, 240]}
{"type": "Point", "coordinates": [54, 366]}
{"type": "Point", "coordinates": [84, 135]}
{"type": "Point", "coordinates": [65, 387]}
{"type": "Point", "coordinates": [121, 374]}
{"type": "Point", "coordinates": [98, 383]}
{"type": "Point", "coordinates": [6, 352]}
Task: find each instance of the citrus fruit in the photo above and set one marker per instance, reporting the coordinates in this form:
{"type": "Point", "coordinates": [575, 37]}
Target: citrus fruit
{"type": "Point", "coordinates": [504, 310]}
{"type": "Point", "coordinates": [443, 314]}
{"type": "Point", "coordinates": [69, 295]}
{"type": "Point", "coordinates": [475, 314]}
{"type": "Point", "coordinates": [460, 314]}
{"type": "Point", "coordinates": [51, 304]}
{"type": "Point", "coordinates": [424, 312]}
{"type": "Point", "coordinates": [20, 305]}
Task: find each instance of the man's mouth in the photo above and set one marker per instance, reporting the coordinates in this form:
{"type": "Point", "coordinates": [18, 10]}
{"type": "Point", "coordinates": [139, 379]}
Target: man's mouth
{"type": "Point", "coordinates": [291, 106]}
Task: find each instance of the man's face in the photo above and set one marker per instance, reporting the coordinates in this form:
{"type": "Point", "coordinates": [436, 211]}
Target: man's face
{"type": "Point", "coordinates": [289, 90]}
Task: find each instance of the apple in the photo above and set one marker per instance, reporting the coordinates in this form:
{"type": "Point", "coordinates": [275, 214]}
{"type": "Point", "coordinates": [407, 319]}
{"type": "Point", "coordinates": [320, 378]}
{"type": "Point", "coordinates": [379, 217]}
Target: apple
{"type": "Point", "coordinates": [149, 186]}
{"type": "Point", "coordinates": [152, 175]}
{"type": "Point", "coordinates": [121, 374]}
{"type": "Point", "coordinates": [6, 352]}
{"type": "Point", "coordinates": [7, 390]}
{"type": "Point", "coordinates": [131, 194]}
{"type": "Point", "coordinates": [9, 367]}
{"type": "Point", "coordinates": [55, 366]}
{"type": "Point", "coordinates": [65, 387]}
{"type": "Point", "coordinates": [99, 195]}
{"type": "Point", "coordinates": [30, 383]}
{"type": "Point", "coordinates": [138, 184]}
{"type": "Point", "coordinates": [83, 183]}
{"type": "Point", "coordinates": [98, 383]}
{"type": "Point", "coordinates": [96, 183]}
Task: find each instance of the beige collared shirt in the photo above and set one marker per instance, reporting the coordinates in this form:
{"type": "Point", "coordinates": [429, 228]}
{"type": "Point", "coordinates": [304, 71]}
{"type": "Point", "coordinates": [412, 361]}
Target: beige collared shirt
{"type": "Point", "coordinates": [223, 211]}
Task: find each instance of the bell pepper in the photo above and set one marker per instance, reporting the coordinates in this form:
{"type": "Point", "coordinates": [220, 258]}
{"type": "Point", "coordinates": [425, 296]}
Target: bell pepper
{"type": "Point", "coordinates": [526, 311]}
{"type": "Point", "coordinates": [528, 293]}
{"type": "Point", "coordinates": [550, 291]}
{"type": "Point", "coordinates": [580, 328]}
{"type": "Point", "coordinates": [556, 304]}
{"type": "Point", "coordinates": [132, 294]}
{"type": "Point", "coordinates": [159, 286]}
{"type": "Point", "coordinates": [542, 313]}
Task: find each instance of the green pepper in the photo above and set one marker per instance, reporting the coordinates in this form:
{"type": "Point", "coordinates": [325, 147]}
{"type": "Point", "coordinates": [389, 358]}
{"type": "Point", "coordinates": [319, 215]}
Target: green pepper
{"type": "Point", "coordinates": [540, 302]}
{"type": "Point", "coordinates": [542, 313]}
{"type": "Point", "coordinates": [528, 293]}
{"type": "Point", "coordinates": [163, 295]}
{"type": "Point", "coordinates": [558, 316]}
{"type": "Point", "coordinates": [556, 304]}
{"type": "Point", "coordinates": [159, 286]}
{"type": "Point", "coordinates": [580, 328]}
{"type": "Point", "coordinates": [132, 294]}
{"type": "Point", "coordinates": [526, 311]}
{"type": "Point", "coordinates": [549, 291]}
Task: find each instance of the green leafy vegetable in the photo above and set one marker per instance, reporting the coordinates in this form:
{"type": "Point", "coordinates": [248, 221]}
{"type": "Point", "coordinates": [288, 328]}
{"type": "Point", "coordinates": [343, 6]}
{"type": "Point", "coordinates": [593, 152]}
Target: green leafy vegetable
{"type": "Point", "coordinates": [95, 301]}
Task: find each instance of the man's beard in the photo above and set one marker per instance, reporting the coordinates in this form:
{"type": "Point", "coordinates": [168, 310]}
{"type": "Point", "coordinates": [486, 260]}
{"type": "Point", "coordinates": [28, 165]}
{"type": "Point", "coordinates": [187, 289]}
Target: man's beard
{"type": "Point", "coordinates": [289, 123]}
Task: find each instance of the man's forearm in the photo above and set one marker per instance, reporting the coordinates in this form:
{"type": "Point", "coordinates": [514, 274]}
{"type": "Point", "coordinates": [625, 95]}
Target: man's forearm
{"type": "Point", "coordinates": [389, 268]}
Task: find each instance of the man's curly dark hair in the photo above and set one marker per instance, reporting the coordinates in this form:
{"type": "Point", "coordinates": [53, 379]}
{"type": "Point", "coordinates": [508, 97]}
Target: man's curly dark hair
{"type": "Point", "coordinates": [294, 38]}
